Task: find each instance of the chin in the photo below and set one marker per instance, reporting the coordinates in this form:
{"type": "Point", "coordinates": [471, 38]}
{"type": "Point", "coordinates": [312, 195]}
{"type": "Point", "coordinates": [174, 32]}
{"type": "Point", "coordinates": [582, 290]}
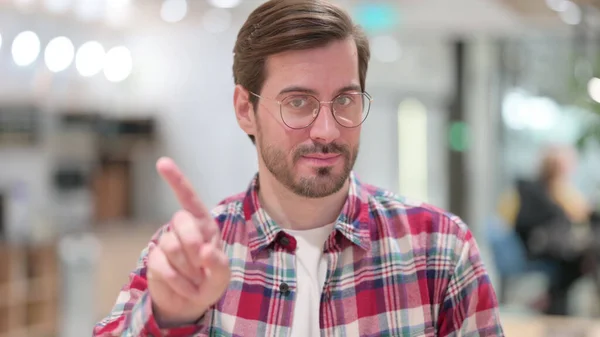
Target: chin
{"type": "Point", "coordinates": [317, 182]}
{"type": "Point", "coordinates": [322, 175]}
{"type": "Point", "coordinates": [318, 172]}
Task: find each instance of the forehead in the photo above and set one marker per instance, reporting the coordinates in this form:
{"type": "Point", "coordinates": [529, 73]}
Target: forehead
{"type": "Point", "coordinates": [323, 70]}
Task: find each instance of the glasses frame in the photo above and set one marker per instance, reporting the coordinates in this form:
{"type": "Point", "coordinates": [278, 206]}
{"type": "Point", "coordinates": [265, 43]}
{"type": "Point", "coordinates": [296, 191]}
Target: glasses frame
{"type": "Point", "coordinates": [329, 103]}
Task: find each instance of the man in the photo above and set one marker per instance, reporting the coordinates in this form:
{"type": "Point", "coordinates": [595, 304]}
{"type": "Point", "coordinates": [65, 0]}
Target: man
{"type": "Point", "coordinates": [308, 249]}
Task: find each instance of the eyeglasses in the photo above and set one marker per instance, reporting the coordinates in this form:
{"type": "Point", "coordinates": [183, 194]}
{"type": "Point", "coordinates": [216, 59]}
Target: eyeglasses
{"type": "Point", "coordinates": [299, 111]}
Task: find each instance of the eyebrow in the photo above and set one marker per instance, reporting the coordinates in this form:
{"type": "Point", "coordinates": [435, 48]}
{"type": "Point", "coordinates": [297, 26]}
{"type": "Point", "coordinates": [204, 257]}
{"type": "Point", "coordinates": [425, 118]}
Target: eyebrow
{"type": "Point", "coordinates": [351, 87]}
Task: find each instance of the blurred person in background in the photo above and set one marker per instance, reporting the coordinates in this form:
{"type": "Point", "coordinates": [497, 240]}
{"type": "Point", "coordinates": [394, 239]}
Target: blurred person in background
{"type": "Point", "coordinates": [308, 249]}
{"type": "Point", "coordinates": [554, 221]}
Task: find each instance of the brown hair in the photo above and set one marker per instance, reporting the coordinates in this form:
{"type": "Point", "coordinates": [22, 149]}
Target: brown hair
{"type": "Point", "coordinates": [283, 25]}
{"type": "Point", "coordinates": [554, 162]}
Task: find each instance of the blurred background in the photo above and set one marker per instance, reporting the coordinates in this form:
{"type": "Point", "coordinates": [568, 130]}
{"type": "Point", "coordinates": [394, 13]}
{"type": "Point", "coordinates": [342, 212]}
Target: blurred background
{"type": "Point", "coordinates": [488, 108]}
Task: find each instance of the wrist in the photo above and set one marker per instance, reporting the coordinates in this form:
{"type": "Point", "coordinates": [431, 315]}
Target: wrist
{"type": "Point", "coordinates": [166, 321]}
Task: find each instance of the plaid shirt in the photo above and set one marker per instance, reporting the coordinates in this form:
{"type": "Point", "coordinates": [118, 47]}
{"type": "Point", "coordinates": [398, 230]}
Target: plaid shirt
{"type": "Point", "coordinates": [395, 268]}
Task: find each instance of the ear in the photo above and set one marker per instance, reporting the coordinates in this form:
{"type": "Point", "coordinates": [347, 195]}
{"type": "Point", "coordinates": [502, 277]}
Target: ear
{"type": "Point", "coordinates": [244, 112]}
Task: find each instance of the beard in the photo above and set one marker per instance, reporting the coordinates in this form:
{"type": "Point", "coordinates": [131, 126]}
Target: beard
{"type": "Point", "coordinates": [323, 183]}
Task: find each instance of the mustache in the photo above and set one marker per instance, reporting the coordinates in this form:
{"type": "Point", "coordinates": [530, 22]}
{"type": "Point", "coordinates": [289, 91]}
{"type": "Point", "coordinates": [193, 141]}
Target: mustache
{"type": "Point", "coordinates": [321, 148]}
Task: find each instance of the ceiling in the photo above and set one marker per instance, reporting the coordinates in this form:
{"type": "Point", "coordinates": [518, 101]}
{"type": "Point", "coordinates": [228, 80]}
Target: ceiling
{"type": "Point", "coordinates": [530, 8]}
{"type": "Point", "coordinates": [454, 16]}
{"type": "Point", "coordinates": [537, 12]}
{"type": "Point", "coordinates": [417, 17]}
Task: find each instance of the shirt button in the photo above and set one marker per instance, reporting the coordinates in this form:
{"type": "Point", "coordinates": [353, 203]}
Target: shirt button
{"type": "Point", "coordinates": [284, 241]}
{"type": "Point", "coordinates": [284, 288]}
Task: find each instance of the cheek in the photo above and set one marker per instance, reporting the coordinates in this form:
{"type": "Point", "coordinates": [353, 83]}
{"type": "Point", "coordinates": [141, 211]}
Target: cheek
{"type": "Point", "coordinates": [282, 137]}
{"type": "Point", "coordinates": [351, 136]}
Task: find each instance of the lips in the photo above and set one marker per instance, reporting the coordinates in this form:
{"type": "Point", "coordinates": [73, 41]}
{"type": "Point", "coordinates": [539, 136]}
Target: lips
{"type": "Point", "coordinates": [322, 156]}
{"type": "Point", "coordinates": [321, 159]}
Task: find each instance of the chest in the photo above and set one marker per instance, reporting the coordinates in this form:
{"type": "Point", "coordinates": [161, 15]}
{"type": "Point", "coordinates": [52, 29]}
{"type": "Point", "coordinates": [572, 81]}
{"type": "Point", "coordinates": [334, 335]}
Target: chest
{"type": "Point", "coordinates": [364, 293]}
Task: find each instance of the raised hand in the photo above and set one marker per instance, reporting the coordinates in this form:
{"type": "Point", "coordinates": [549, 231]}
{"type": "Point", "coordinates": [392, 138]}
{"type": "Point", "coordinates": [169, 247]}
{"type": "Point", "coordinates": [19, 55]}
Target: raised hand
{"type": "Point", "coordinates": [187, 271]}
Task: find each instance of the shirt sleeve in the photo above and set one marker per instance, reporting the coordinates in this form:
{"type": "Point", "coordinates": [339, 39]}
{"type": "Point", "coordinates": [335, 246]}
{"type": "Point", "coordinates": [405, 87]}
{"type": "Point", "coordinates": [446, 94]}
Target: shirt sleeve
{"type": "Point", "coordinates": [470, 305]}
{"type": "Point", "coordinates": [132, 314]}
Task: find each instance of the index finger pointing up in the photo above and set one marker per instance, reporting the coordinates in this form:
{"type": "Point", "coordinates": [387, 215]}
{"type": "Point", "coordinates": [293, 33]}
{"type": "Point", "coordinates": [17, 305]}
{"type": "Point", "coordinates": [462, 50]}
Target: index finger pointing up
{"type": "Point", "coordinates": [188, 199]}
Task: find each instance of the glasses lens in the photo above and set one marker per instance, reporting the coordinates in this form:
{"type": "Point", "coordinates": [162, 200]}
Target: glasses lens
{"type": "Point", "coordinates": [299, 111]}
{"type": "Point", "coordinates": [350, 110]}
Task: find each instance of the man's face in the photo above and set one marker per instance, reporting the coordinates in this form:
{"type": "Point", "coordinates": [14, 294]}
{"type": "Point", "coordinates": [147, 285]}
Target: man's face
{"type": "Point", "coordinates": [316, 161]}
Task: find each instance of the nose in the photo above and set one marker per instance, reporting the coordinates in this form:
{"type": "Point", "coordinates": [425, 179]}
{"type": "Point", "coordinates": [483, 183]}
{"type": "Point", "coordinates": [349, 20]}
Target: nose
{"type": "Point", "coordinates": [325, 129]}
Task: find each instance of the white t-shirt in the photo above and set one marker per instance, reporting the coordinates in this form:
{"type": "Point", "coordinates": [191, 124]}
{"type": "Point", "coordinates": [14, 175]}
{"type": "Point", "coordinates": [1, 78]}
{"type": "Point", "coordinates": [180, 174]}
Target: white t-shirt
{"type": "Point", "coordinates": [311, 269]}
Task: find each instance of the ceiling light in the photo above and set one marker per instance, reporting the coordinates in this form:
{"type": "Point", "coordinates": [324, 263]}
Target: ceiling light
{"type": "Point", "coordinates": [25, 48]}
{"type": "Point", "coordinates": [59, 54]}
{"type": "Point", "coordinates": [224, 3]}
{"type": "Point", "coordinates": [118, 64]}
{"type": "Point", "coordinates": [57, 6]}
{"type": "Point", "coordinates": [89, 60]}
{"type": "Point", "coordinates": [594, 89]}
{"type": "Point", "coordinates": [173, 10]}
{"type": "Point", "coordinates": [571, 13]}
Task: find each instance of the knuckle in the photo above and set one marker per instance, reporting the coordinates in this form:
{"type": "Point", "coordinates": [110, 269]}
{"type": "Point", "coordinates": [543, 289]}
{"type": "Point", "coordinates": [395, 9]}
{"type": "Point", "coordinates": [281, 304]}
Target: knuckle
{"type": "Point", "coordinates": [169, 244]}
{"type": "Point", "coordinates": [181, 217]}
{"type": "Point", "coordinates": [210, 228]}
{"type": "Point", "coordinates": [152, 259]}
{"type": "Point", "coordinates": [159, 268]}
{"type": "Point", "coordinates": [189, 235]}
{"type": "Point", "coordinates": [192, 243]}
{"type": "Point", "coordinates": [208, 225]}
{"type": "Point", "coordinates": [222, 260]}
{"type": "Point", "coordinates": [169, 275]}
{"type": "Point", "coordinates": [155, 263]}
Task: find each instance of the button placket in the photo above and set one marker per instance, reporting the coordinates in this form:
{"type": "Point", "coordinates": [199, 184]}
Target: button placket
{"type": "Point", "coordinates": [281, 258]}
{"type": "Point", "coordinates": [284, 288]}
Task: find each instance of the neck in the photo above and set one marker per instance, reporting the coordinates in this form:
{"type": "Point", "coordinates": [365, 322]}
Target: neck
{"type": "Point", "coordinates": [292, 211]}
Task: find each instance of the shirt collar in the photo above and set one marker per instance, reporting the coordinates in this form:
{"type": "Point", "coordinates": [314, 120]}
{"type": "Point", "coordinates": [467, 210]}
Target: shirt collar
{"type": "Point", "coordinates": [352, 223]}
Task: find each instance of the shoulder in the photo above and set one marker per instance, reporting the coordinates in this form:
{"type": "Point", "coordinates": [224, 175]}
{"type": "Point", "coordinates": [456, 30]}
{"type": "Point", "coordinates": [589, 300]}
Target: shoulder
{"type": "Point", "coordinates": [434, 236]}
{"type": "Point", "coordinates": [405, 216]}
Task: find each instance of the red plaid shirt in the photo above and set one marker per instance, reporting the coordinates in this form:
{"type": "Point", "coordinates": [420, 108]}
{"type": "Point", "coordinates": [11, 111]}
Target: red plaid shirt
{"type": "Point", "coordinates": [395, 268]}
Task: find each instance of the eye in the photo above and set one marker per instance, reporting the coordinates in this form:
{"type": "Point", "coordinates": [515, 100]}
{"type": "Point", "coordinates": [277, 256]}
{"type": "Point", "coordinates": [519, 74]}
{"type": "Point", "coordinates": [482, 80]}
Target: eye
{"type": "Point", "coordinates": [344, 100]}
{"type": "Point", "coordinates": [297, 102]}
